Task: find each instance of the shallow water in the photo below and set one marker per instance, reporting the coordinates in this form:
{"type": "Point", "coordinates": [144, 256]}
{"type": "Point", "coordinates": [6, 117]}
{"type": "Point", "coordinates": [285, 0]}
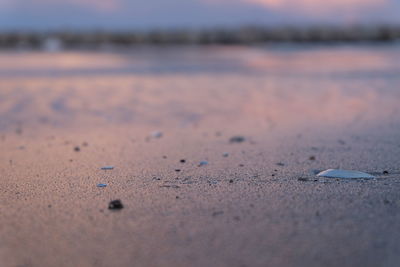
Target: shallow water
{"type": "Point", "coordinates": [256, 88]}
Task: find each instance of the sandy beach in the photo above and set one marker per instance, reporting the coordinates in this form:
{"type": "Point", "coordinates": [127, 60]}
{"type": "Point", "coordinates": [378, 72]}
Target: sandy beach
{"type": "Point", "coordinates": [154, 114]}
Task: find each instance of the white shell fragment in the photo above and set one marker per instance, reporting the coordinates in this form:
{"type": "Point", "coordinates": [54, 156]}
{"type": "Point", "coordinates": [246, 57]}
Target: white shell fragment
{"type": "Point", "coordinates": [336, 173]}
{"type": "Point", "coordinates": [203, 163]}
{"type": "Point", "coordinates": [107, 168]}
{"type": "Point", "coordinates": [156, 134]}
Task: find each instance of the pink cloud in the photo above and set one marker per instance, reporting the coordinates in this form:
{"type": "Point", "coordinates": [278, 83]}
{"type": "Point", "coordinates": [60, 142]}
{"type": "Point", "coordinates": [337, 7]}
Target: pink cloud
{"type": "Point", "coordinates": [324, 6]}
{"type": "Point", "coordinates": [98, 5]}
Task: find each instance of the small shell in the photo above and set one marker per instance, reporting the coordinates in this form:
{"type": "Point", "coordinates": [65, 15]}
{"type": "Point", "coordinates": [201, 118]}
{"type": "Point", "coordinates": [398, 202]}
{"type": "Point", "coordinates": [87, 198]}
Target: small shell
{"type": "Point", "coordinates": [107, 168]}
{"type": "Point", "coordinates": [336, 173]}
{"type": "Point", "coordinates": [156, 134]}
{"type": "Point", "coordinates": [203, 163]}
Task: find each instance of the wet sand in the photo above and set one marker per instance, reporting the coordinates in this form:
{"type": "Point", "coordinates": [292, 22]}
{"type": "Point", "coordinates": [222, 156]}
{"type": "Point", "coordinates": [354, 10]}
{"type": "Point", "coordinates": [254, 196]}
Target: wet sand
{"type": "Point", "coordinates": [300, 110]}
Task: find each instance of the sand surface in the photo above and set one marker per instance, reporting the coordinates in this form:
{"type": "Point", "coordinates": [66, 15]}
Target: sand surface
{"type": "Point", "coordinates": [300, 110]}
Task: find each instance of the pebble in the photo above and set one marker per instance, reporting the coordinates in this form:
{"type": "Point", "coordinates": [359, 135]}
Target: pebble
{"type": "Point", "coordinates": [77, 149]}
{"type": "Point", "coordinates": [302, 179]}
{"type": "Point", "coordinates": [226, 154]}
{"type": "Point", "coordinates": [101, 185]}
{"type": "Point", "coordinates": [216, 213]}
{"type": "Point", "coordinates": [237, 139]}
{"type": "Point", "coordinates": [115, 205]}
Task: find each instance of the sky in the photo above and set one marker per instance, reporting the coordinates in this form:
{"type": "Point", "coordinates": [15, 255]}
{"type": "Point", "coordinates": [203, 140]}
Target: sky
{"type": "Point", "coordinates": [163, 14]}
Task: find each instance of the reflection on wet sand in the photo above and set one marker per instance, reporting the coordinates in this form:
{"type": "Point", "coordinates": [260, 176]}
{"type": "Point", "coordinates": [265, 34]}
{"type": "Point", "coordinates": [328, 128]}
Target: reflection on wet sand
{"type": "Point", "coordinates": [224, 88]}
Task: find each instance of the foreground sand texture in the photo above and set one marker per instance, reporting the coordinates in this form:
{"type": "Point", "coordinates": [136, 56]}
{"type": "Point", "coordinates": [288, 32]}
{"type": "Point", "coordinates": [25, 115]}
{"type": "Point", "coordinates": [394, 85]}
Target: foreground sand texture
{"type": "Point", "coordinates": [300, 110]}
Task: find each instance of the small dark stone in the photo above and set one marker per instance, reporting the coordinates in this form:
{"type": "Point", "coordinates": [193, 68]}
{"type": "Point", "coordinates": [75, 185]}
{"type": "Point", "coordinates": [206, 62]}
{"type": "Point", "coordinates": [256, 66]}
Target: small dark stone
{"type": "Point", "coordinates": [115, 205]}
{"type": "Point", "coordinates": [77, 149]}
{"type": "Point", "coordinates": [182, 161]}
{"type": "Point", "coordinates": [302, 179]}
{"type": "Point", "coordinates": [177, 197]}
{"type": "Point", "coordinates": [164, 157]}
{"type": "Point", "coordinates": [216, 213]}
{"type": "Point", "coordinates": [385, 172]}
{"type": "Point", "coordinates": [241, 165]}
{"type": "Point", "coordinates": [272, 174]}
{"type": "Point", "coordinates": [280, 164]}
{"type": "Point", "coordinates": [385, 201]}
{"type": "Point", "coordinates": [237, 139]}
{"type": "Point", "coordinates": [177, 170]}
{"type": "Point", "coordinates": [230, 181]}
{"type": "Point", "coordinates": [311, 158]}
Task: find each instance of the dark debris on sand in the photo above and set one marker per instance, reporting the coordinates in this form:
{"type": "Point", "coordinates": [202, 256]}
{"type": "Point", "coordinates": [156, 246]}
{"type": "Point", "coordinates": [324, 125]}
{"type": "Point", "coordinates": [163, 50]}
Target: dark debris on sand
{"type": "Point", "coordinates": [216, 213]}
{"type": "Point", "coordinates": [115, 205]}
{"type": "Point", "coordinates": [237, 139]}
{"type": "Point", "coordinates": [302, 179]}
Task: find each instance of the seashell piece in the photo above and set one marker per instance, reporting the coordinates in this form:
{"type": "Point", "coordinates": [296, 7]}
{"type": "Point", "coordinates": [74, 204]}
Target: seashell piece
{"type": "Point", "coordinates": [345, 174]}
{"type": "Point", "coordinates": [156, 134]}
{"type": "Point", "coordinates": [107, 168]}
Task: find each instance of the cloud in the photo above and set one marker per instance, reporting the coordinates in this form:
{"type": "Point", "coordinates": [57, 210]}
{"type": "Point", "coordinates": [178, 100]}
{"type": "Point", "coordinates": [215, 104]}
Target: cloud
{"type": "Point", "coordinates": [324, 6]}
{"type": "Point", "coordinates": [96, 5]}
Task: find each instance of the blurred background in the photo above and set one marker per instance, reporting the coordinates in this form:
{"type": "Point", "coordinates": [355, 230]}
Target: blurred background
{"type": "Point", "coordinates": [51, 24]}
{"type": "Point", "coordinates": [267, 46]}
